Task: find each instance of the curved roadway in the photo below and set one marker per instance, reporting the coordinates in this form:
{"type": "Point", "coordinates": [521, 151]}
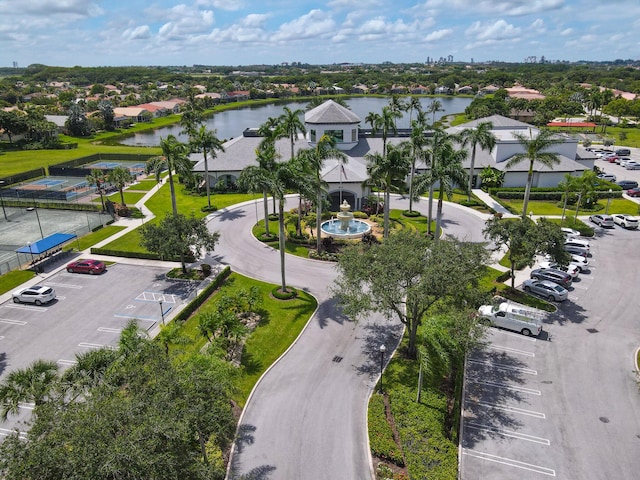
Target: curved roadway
{"type": "Point", "coordinates": [306, 418]}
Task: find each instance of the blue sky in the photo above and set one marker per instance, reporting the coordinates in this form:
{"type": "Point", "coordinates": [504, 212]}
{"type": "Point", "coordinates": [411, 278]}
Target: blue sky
{"type": "Point", "coordinates": [245, 32]}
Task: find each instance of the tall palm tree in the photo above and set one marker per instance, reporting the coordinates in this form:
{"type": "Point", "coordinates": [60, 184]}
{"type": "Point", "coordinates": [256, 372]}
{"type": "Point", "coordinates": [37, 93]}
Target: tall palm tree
{"type": "Point", "coordinates": [567, 186]}
{"type": "Point", "coordinates": [32, 384]}
{"type": "Point", "coordinates": [191, 118]}
{"type": "Point", "coordinates": [436, 142]}
{"type": "Point", "coordinates": [119, 177]}
{"type": "Point", "coordinates": [207, 142]}
{"type": "Point", "coordinates": [434, 107]}
{"type": "Point", "coordinates": [384, 123]}
{"type": "Point", "coordinates": [412, 104]}
{"type": "Point", "coordinates": [258, 178]}
{"type": "Point", "coordinates": [97, 178]}
{"type": "Point", "coordinates": [325, 149]}
{"type": "Point", "coordinates": [291, 125]}
{"type": "Point", "coordinates": [175, 158]}
{"type": "Point", "coordinates": [397, 106]}
{"type": "Point", "coordinates": [447, 172]}
{"type": "Point", "coordinates": [418, 142]}
{"type": "Point", "coordinates": [480, 136]}
{"type": "Point", "coordinates": [535, 150]}
{"type": "Point", "coordinates": [389, 171]}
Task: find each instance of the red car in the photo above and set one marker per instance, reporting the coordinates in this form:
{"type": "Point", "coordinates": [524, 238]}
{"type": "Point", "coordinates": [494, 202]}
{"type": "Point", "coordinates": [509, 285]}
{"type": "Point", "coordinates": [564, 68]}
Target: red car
{"type": "Point", "coordinates": [86, 266]}
{"type": "Point", "coordinates": [634, 192]}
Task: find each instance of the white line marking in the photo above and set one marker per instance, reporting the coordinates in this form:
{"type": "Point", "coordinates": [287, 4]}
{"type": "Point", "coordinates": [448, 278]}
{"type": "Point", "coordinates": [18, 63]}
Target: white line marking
{"type": "Point", "coordinates": [521, 411]}
{"type": "Point", "coordinates": [513, 350]}
{"type": "Point", "coordinates": [95, 345]}
{"type": "Point", "coordinates": [110, 330]}
{"type": "Point", "coordinates": [12, 322]}
{"type": "Point", "coordinates": [155, 297]}
{"type": "Point", "coordinates": [65, 285]}
{"type": "Point", "coordinates": [66, 362]}
{"type": "Point", "coordinates": [510, 434]}
{"type": "Point", "coordinates": [509, 387]}
{"type": "Point", "coordinates": [134, 317]}
{"type": "Point", "coordinates": [580, 287]}
{"type": "Point", "coordinates": [502, 366]}
{"type": "Point", "coordinates": [27, 406]}
{"type": "Point", "coordinates": [20, 306]}
{"type": "Point", "coordinates": [509, 462]}
{"type": "Point", "coordinates": [512, 334]}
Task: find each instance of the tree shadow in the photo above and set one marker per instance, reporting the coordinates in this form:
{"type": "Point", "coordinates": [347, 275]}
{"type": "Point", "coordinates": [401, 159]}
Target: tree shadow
{"type": "Point", "coordinates": [244, 437]}
{"type": "Point", "coordinates": [3, 362]}
{"type": "Point", "coordinates": [231, 215]}
{"type": "Point", "coordinates": [494, 387]}
{"type": "Point", "coordinates": [567, 312]}
{"type": "Point", "coordinates": [375, 335]}
{"type": "Point", "coordinates": [331, 310]}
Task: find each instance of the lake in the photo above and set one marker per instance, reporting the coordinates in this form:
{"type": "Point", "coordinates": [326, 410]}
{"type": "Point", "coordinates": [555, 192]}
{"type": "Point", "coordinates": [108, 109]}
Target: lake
{"type": "Point", "coordinates": [232, 123]}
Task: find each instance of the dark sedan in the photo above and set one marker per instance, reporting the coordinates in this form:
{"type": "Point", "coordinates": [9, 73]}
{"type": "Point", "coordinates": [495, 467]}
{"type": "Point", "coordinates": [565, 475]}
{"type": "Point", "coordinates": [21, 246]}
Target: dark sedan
{"type": "Point", "coordinates": [92, 267]}
{"type": "Point", "coordinates": [552, 275]}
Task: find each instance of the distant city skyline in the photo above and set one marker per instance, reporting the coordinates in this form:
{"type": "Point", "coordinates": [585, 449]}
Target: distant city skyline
{"type": "Point", "coordinates": [246, 32]}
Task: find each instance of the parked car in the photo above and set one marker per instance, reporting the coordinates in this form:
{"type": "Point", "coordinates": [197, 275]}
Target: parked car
{"type": "Point", "coordinates": [552, 275]}
{"type": "Point", "coordinates": [581, 262]}
{"type": "Point", "coordinates": [602, 219]}
{"type": "Point", "coordinates": [549, 290]}
{"type": "Point", "coordinates": [38, 294]}
{"type": "Point", "coordinates": [634, 192]}
{"type": "Point", "coordinates": [623, 161]}
{"type": "Point", "coordinates": [627, 184]}
{"type": "Point", "coordinates": [632, 165]}
{"type": "Point", "coordinates": [577, 250]}
{"type": "Point", "coordinates": [609, 177]}
{"type": "Point", "coordinates": [92, 267]}
{"type": "Point", "coordinates": [579, 242]}
{"type": "Point", "coordinates": [626, 221]}
{"type": "Point", "coordinates": [611, 158]}
{"type": "Point", "coordinates": [623, 152]}
{"type": "Point", "coordinates": [570, 232]}
{"type": "Point", "coordinates": [572, 269]}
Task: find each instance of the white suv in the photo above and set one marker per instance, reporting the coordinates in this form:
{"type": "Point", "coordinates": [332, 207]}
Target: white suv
{"type": "Point", "coordinates": [626, 221]}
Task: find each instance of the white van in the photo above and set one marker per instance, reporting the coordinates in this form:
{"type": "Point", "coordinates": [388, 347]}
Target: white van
{"type": "Point", "coordinates": [513, 316]}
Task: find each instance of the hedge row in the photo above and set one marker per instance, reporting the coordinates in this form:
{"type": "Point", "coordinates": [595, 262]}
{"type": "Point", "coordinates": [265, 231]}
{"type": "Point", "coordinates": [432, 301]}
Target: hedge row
{"type": "Point", "coordinates": [599, 188]}
{"type": "Point", "coordinates": [143, 255]}
{"type": "Point", "coordinates": [381, 438]}
{"type": "Point", "coordinates": [552, 195]}
{"type": "Point", "coordinates": [194, 304]}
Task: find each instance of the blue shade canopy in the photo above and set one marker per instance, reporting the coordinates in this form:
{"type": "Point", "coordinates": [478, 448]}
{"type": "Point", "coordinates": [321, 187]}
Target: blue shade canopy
{"type": "Point", "coordinates": [47, 243]}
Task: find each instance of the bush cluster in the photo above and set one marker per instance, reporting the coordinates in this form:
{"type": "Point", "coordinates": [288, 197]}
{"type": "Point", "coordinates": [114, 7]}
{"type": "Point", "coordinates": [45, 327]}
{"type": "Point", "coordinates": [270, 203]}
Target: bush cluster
{"type": "Point", "coordinates": [194, 304]}
{"type": "Point", "coordinates": [381, 438]}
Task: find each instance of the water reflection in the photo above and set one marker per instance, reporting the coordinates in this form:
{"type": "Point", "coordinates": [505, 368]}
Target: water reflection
{"type": "Point", "coordinates": [231, 123]}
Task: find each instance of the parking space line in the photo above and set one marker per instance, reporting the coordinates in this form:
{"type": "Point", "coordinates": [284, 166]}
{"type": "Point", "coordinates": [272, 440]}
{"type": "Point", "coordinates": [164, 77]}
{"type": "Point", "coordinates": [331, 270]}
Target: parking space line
{"type": "Point", "coordinates": [135, 317]}
{"type": "Point", "coordinates": [62, 361]}
{"type": "Point", "coordinates": [97, 346]}
{"type": "Point", "coordinates": [12, 322]}
{"type": "Point", "coordinates": [510, 387]}
{"type": "Point", "coordinates": [580, 287]}
{"type": "Point", "coordinates": [6, 432]}
{"type": "Point", "coordinates": [156, 297]}
{"type": "Point", "coordinates": [509, 433]}
{"type": "Point", "coordinates": [502, 366]}
{"type": "Point", "coordinates": [507, 461]}
{"type": "Point", "coordinates": [110, 330]}
{"type": "Point", "coordinates": [507, 408]}
{"type": "Point", "coordinates": [65, 285]}
{"type": "Point", "coordinates": [511, 334]}
{"type": "Point", "coordinates": [20, 306]}
{"type": "Point", "coordinates": [513, 350]}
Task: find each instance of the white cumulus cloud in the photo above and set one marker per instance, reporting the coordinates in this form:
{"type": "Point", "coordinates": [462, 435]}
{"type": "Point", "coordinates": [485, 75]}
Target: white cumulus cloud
{"type": "Point", "coordinates": [315, 24]}
{"type": "Point", "coordinates": [438, 35]}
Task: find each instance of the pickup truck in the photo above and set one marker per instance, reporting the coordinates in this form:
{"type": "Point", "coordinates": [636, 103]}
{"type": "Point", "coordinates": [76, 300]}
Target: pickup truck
{"type": "Point", "coordinates": [512, 316]}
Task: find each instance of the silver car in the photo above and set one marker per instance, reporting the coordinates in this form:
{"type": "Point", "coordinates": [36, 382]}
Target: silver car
{"type": "Point", "coordinates": [602, 219]}
{"type": "Point", "coordinates": [546, 289]}
{"type": "Point", "coordinates": [38, 294]}
{"type": "Point", "coordinates": [626, 221]}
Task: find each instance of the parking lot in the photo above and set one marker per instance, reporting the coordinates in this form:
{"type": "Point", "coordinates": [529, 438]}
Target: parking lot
{"type": "Point", "coordinates": [89, 312]}
{"type": "Point", "coordinates": [563, 404]}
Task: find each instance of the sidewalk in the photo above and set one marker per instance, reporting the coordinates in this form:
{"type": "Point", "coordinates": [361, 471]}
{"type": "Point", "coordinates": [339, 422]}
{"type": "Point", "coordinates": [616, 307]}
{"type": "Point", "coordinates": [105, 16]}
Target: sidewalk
{"type": "Point", "coordinates": [491, 203]}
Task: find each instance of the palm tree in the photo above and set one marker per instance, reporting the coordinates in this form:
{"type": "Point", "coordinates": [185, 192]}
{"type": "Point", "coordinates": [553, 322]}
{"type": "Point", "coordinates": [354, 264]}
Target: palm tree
{"type": "Point", "coordinates": [291, 125]}
{"type": "Point", "coordinates": [534, 151]}
{"type": "Point", "coordinates": [384, 123]}
{"type": "Point", "coordinates": [447, 172]}
{"type": "Point", "coordinates": [397, 106]}
{"type": "Point", "coordinates": [191, 118]}
{"type": "Point", "coordinates": [32, 384]}
{"type": "Point", "coordinates": [434, 106]}
{"type": "Point", "coordinates": [480, 136]}
{"type": "Point", "coordinates": [206, 141]}
{"type": "Point", "coordinates": [418, 142]}
{"type": "Point", "coordinates": [388, 171]}
{"type": "Point", "coordinates": [97, 178]}
{"type": "Point", "coordinates": [567, 186]}
{"type": "Point", "coordinates": [257, 178]}
{"type": "Point", "coordinates": [119, 177]}
{"type": "Point", "coordinates": [325, 149]}
{"type": "Point", "coordinates": [175, 158]}
{"type": "Point", "coordinates": [436, 143]}
{"type": "Point", "coordinates": [412, 104]}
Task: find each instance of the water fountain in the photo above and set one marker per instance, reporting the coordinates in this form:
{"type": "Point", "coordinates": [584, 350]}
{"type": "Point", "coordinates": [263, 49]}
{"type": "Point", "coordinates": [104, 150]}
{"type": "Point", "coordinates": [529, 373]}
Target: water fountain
{"type": "Point", "coordinates": [345, 226]}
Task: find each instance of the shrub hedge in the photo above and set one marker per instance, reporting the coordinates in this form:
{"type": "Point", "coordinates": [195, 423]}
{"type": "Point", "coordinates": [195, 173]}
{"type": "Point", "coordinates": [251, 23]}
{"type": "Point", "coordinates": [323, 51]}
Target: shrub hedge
{"type": "Point", "coordinates": [194, 304]}
{"type": "Point", "coordinates": [143, 255]}
{"type": "Point", "coordinates": [381, 438]}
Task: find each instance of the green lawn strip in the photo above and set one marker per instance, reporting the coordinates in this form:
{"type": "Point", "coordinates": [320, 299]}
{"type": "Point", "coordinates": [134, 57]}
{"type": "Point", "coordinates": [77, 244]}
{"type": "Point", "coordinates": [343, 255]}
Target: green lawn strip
{"type": "Point", "coordinates": [282, 322]}
{"type": "Point", "coordinates": [427, 451]}
{"type": "Point", "coordinates": [130, 198]}
{"type": "Point", "coordinates": [89, 240]}
{"type": "Point", "coordinates": [541, 207]}
{"type": "Point", "coordinates": [13, 279]}
{"type": "Point", "coordinates": [143, 185]}
{"type": "Point", "coordinates": [632, 134]}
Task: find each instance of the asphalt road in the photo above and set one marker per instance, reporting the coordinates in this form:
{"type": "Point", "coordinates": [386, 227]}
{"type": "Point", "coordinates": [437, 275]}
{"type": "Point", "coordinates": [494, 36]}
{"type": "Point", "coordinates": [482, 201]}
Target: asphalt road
{"type": "Point", "coordinates": [566, 404]}
{"type": "Point", "coordinates": [306, 419]}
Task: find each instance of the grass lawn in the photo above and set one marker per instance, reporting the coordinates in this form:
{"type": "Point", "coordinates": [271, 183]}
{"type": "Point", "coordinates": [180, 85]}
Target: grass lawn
{"type": "Point", "coordinates": [143, 185]}
{"type": "Point", "coordinates": [13, 279]}
{"type": "Point", "coordinates": [130, 198]}
{"type": "Point", "coordinates": [540, 207]}
{"type": "Point", "coordinates": [282, 322]}
{"type": "Point", "coordinates": [92, 238]}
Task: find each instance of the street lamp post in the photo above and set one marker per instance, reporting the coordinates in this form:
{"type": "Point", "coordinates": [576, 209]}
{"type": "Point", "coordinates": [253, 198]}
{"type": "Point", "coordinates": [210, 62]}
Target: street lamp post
{"type": "Point", "coordinates": [4, 211]}
{"type": "Point", "coordinates": [382, 350]}
{"type": "Point", "coordinates": [161, 310]}
{"type": "Point", "coordinates": [29, 245]}
{"type": "Point", "coordinates": [608, 202]}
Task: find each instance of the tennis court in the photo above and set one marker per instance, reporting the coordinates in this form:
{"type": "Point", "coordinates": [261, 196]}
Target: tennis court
{"type": "Point", "coordinates": [49, 188]}
{"type": "Point", "coordinates": [133, 167]}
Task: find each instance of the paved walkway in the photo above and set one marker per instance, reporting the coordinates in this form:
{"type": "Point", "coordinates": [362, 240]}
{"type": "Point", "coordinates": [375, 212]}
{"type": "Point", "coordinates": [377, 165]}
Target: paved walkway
{"type": "Point", "coordinates": [491, 203]}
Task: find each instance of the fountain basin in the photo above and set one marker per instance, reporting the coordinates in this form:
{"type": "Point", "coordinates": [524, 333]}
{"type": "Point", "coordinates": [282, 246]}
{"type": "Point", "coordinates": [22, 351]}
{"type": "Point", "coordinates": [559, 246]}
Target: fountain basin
{"type": "Point", "coordinates": [354, 229]}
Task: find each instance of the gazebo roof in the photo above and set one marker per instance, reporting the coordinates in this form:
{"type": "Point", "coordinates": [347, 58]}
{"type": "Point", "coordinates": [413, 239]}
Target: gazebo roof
{"type": "Point", "coordinates": [331, 112]}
